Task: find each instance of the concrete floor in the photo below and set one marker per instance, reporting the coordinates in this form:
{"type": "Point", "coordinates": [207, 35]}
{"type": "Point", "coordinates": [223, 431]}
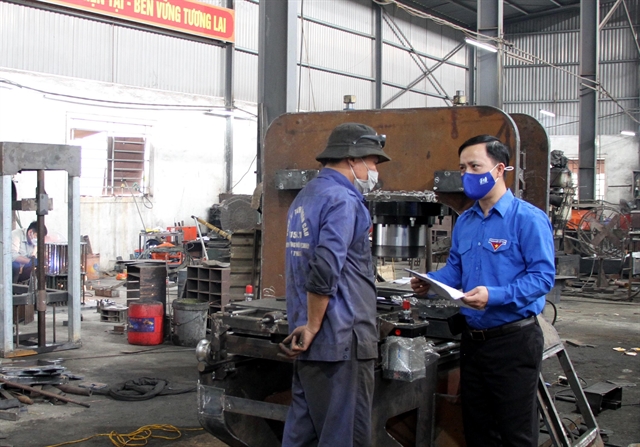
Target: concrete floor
{"type": "Point", "coordinates": [108, 358]}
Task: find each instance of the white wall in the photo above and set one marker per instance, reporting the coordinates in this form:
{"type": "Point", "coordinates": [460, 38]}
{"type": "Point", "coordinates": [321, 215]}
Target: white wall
{"type": "Point", "coordinates": [621, 158]}
{"type": "Point", "coordinates": [187, 155]}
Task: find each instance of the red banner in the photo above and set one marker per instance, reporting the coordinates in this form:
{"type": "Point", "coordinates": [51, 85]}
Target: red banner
{"type": "Point", "coordinates": [185, 16]}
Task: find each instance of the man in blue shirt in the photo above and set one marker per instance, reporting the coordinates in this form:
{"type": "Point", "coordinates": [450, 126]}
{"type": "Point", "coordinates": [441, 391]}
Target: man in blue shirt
{"type": "Point", "coordinates": [331, 296]}
{"type": "Point", "coordinates": [502, 257]}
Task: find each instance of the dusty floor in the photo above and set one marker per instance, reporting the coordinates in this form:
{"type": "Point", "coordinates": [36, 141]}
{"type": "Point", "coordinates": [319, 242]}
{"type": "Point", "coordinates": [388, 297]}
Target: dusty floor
{"type": "Point", "coordinates": [593, 327]}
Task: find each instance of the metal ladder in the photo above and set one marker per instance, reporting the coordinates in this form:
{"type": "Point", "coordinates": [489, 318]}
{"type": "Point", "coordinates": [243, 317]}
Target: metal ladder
{"type": "Point", "coordinates": [557, 431]}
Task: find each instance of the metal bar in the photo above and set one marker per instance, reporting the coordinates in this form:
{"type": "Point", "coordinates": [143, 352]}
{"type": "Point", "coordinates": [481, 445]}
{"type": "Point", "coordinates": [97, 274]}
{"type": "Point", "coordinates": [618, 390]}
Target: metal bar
{"type": "Point", "coordinates": [424, 75]}
{"type": "Point", "coordinates": [589, 50]}
{"type": "Point", "coordinates": [633, 31]}
{"type": "Point", "coordinates": [6, 272]}
{"type": "Point", "coordinates": [423, 54]}
{"type": "Point", "coordinates": [517, 8]}
{"type": "Point", "coordinates": [378, 56]}
{"type": "Point", "coordinates": [228, 102]}
{"type": "Point", "coordinates": [277, 60]}
{"type": "Point", "coordinates": [74, 280]}
{"type": "Point", "coordinates": [418, 60]}
{"type": "Point", "coordinates": [609, 14]}
{"type": "Point", "coordinates": [41, 303]}
{"type": "Point", "coordinates": [471, 79]}
{"type": "Point", "coordinates": [550, 416]}
{"type": "Point", "coordinates": [44, 393]}
{"type": "Point", "coordinates": [414, 90]}
{"type": "Point", "coordinates": [489, 65]}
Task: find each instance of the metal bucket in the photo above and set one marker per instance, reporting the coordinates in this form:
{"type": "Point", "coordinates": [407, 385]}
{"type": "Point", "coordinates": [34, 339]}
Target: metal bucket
{"type": "Point", "coordinates": [189, 321]}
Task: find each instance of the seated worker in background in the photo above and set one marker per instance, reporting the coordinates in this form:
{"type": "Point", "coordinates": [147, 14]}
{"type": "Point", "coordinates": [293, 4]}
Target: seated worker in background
{"type": "Point", "coordinates": [24, 243]}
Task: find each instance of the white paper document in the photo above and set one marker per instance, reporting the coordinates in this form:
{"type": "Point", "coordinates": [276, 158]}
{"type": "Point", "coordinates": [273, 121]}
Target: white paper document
{"type": "Point", "coordinates": [439, 288]}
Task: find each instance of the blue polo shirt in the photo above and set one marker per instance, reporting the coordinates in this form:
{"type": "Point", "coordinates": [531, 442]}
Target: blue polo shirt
{"type": "Point", "coordinates": [328, 253]}
{"type": "Point", "coordinates": [510, 252]}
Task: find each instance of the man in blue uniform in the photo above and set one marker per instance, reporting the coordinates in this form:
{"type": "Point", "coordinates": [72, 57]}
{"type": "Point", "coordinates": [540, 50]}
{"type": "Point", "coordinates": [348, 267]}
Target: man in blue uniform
{"type": "Point", "coordinates": [331, 296]}
{"type": "Point", "coordinates": [502, 256]}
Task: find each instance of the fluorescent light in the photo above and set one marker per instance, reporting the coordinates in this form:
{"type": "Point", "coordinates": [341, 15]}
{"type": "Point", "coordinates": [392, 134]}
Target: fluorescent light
{"type": "Point", "coordinates": [547, 113]}
{"type": "Point", "coordinates": [628, 133]}
{"type": "Point", "coordinates": [484, 46]}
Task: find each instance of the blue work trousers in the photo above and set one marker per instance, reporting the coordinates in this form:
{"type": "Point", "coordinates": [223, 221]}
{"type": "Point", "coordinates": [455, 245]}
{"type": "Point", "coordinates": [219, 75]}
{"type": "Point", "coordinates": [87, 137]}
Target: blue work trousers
{"type": "Point", "coordinates": [331, 404]}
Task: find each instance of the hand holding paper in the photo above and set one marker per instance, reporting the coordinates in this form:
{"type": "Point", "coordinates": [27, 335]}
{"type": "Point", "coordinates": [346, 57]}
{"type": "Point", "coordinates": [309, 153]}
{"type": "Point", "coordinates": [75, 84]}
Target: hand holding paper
{"type": "Point", "coordinates": [441, 289]}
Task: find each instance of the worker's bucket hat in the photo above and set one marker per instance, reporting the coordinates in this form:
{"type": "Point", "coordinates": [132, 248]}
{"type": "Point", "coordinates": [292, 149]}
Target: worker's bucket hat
{"type": "Point", "coordinates": [354, 140]}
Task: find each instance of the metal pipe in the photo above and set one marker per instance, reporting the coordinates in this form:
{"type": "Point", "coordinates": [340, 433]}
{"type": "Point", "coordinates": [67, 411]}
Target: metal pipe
{"type": "Point", "coordinates": [205, 255]}
{"type": "Point", "coordinates": [44, 393]}
{"type": "Point", "coordinates": [41, 297]}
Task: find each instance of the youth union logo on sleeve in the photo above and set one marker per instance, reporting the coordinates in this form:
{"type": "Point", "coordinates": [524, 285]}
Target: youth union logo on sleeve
{"type": "Point", "coordinates": [497, 243]}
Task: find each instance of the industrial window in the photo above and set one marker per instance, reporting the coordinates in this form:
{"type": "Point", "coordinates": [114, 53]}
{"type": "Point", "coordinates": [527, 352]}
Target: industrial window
{"type": "Point", "coordinates": [115, 159]}
{"type": "Point", "coordinates": [574, 165]}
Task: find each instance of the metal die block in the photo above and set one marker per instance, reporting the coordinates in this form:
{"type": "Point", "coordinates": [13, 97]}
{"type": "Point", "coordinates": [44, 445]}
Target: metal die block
{"type": "Point", "coordinates": [447, 181]}
{"type": "Point", "coordinates": [294, 178]}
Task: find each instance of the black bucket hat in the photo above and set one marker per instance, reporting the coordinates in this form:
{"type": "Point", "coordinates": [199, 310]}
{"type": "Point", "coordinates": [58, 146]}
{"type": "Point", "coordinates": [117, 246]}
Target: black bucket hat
{"type": "Point", "coordinates": [354, 140]}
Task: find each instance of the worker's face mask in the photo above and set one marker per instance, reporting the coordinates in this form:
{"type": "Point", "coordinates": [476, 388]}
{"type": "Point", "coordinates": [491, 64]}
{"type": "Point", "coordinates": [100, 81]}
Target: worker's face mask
{"type": "Point", "coordinates": [476, 186]}
{"type": "Point", "coordinates": [364, 186]}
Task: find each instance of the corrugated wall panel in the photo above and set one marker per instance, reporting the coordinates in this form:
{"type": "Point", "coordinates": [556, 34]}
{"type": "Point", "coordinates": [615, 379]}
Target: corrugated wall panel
{"type": "Point", "coordinates": [245, 86]}
{"type": "Point", "coordinates": [556, 39]}
{"type": "Point", "coordinates": [324, 91]}
{"type": "Point", "coordinates": [166, 63]}
{"type": "Point", "coordinates": [247, 26]}
{"type": "Point", "coordinates": [48, 42]}
{"type": "Point", "coordinates": [338, 50]}
{"type": "Point", "coordinates": [353, 14]}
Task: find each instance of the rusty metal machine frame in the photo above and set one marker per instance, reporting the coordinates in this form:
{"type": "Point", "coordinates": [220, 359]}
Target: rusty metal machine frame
{"type": "Point", "coordinates": [14, 158]}
{"type": "Point", "coordinates": [419, 141]}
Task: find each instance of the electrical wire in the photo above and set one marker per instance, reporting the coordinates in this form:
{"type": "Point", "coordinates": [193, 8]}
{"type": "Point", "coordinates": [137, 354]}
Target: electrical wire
{"type": "Point", "coordinates": [139, 437]}
{"type": "Point", "coordinates": [133, 105]}
{"type": "Point", "coordinates": [243, 175]}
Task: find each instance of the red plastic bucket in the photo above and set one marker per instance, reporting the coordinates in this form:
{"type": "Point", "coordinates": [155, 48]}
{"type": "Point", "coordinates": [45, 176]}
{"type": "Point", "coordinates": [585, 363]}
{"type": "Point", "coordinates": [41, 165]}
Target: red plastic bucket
{"type": "Point", "coordinates": [145, 323]}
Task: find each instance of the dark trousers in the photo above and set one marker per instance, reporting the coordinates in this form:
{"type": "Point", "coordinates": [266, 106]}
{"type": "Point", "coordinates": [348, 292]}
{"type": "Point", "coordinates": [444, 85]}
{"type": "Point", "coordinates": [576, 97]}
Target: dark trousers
{"type": "Point", "coordinates": [499, 380]}
{"type": "Point", "coordinates": [331, 404]}
{"type": "Point", "coordinates": [19, 276]}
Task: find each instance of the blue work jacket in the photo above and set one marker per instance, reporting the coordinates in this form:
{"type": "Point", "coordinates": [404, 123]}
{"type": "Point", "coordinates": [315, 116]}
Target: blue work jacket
{"type": "Point", "coordinates": [510, 252]}
{"type": "Point", "coordinates": [328, 253]}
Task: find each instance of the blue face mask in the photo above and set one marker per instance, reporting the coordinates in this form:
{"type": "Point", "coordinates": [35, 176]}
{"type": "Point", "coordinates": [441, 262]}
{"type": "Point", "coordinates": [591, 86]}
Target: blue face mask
{"type": "Point", "coordinates": [476, 186]}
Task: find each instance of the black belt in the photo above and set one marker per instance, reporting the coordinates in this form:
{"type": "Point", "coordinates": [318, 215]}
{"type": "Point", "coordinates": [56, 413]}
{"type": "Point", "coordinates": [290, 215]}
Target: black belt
{"type": "Point", "coordinates": [486, 334]}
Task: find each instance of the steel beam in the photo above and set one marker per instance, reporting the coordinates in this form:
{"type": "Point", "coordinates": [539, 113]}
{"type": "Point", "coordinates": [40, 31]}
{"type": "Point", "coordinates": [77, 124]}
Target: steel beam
{"type": "Point", "coordinates": [489, 65]}
{"type": "Point", "coordinates": [378, 56]}
{"type": "Point", "coordinates": [277, 58]}
{"type": "Point", "coordinates": [589, 49]}
{"type": "Point", "coordinates": [276, 65]}
{"type": "Point", "coordinates": [228, 103]}
{"type": "Point", "coordinates": [74, 284]}
{"type": "Point", "coordinates": [6, 300]}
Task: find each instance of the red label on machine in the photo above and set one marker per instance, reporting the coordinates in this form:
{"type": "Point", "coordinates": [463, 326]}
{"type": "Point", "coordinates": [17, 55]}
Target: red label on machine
{"type": "Point", "coordinates": [185, 16]}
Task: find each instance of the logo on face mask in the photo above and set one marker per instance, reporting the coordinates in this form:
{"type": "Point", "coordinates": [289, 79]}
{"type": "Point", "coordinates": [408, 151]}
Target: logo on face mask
{"type": "Point", "coordinates": [365, 186]}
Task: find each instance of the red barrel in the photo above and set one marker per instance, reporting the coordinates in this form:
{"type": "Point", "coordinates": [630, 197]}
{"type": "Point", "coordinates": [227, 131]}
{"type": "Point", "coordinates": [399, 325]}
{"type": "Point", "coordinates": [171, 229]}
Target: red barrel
{"type": "Point", "coordinates": [145, 323]}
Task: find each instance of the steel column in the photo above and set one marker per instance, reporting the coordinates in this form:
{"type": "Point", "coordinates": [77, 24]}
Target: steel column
{"type": "Point", "coordinates": [489, 65]}
{"type": "Point", "coordinates": [276, 65]}
{"type": "Point", "coordinates": [228, 103]}
{"type": "Point", "coordinates": [74, 284]}
{"type": "Point", "coordinates": [589, 50]}
{"type": "Point", "coordinates": [6, 307]}
{"type": "Point", "coordinates": [471, 76]}
{"type": "Point", "coordinates": [378, 56]}
{"type": "Point", "coordinates": [277, 59]}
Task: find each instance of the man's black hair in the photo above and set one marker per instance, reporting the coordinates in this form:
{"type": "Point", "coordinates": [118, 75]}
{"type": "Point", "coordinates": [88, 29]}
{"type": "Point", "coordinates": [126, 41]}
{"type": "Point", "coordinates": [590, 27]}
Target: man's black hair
{"type": "Point", "coordinates": [34, 226]}
{"type": "Point", "coordinates": [496, 150]}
